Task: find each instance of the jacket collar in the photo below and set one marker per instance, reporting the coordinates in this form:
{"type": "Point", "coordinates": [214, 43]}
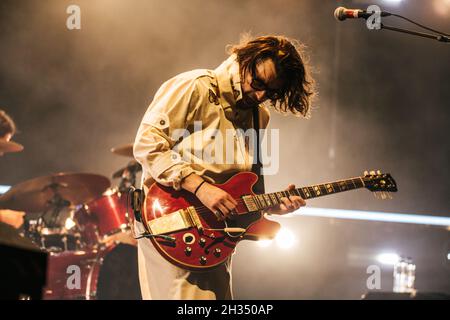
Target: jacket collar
{"type": "Point", "coordinates": [230, 91]}
{"type": "Point", "coordinates": [229, 82]}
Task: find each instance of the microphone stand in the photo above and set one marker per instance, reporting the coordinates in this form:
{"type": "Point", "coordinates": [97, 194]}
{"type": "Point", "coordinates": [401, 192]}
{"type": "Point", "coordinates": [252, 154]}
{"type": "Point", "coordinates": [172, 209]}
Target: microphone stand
{"type": "Point", "coordinates": [440, 38]}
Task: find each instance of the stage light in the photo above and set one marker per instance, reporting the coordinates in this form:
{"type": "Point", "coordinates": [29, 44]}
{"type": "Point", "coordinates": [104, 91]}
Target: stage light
{"type": "Point", "coordinates": [69, 224]}
{"type": "Point", "coordinates": [374, 216]}
{"type": "Point", "coordinates": [388, 258]}
{"type": "Point", "coordinates": [4, 189]}
{"type": "Point", "coordinates": [285, 239]}
{"type": "Point", "coordinates": [392, 1]}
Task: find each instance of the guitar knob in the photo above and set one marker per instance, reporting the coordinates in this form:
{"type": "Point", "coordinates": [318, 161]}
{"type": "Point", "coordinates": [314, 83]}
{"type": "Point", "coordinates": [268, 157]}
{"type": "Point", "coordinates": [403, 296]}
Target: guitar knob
{"type": "Point", "coordinates": [188, 251]}
{"type": "Point", "coordinates": [217, 252]}
{"type": "Point", "coordinates": [202, 260]}
{"type": "Point", "coordinates": [202, 242]}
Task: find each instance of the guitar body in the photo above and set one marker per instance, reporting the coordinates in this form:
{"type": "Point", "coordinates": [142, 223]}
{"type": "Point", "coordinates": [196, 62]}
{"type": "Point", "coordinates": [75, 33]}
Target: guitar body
{"type": "Point", "coordinates": [192, 244]}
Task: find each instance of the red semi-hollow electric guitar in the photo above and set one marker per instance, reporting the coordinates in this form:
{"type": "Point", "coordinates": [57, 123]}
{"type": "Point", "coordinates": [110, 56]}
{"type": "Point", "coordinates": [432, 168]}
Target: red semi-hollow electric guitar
{"type": "Point", "coordinates": [190, 236]}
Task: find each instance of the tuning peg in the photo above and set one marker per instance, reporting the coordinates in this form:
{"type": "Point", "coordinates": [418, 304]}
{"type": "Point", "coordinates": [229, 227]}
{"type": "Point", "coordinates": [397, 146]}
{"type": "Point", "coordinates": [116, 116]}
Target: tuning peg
{"type": "Point", "coordinates": [383, 195]}
{"type": "Point", "coordinates": [372, 173]}
{"type": "Point", "coordinates": [389, 195]}
{"type": "Point", "coordinates": [366, 173]}
{"type": "Point", "coordinates": [376, 195]}
{"type": "Point", "coordinates": [378, 172]}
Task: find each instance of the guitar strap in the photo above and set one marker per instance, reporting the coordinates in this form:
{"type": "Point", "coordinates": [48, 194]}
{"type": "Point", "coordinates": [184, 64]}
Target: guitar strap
{"type": "Point", "coordinates": [258, 188]}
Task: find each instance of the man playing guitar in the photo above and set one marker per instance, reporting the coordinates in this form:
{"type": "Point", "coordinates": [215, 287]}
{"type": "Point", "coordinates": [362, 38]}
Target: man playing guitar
{"type": "Point", "coordinates": [269, 69]}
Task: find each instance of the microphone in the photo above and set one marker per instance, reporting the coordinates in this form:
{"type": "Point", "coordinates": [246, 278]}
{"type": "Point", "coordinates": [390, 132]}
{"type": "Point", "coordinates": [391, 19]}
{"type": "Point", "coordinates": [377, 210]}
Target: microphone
{"type": "Point", "coordinates": [342, 13]}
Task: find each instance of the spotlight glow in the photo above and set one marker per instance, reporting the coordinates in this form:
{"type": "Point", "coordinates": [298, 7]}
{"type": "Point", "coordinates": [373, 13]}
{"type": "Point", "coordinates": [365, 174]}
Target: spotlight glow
{"type": "Point", "coordinates": [285, 239]}
{"type": "Point", "coordinates": [388, 258]}
{"type": "Point", "coordinates": [392, 1]}
{"type": "Point", "coordinates": [374, 216]}
{"type": "Point", "coordinates": [264, 243]}
{"type": "Point", "coordinates": [442, 7]}
{"type": "Point", "coordinates": [69, 224]}
{"type": "Point", "coordinates": [4, 189]}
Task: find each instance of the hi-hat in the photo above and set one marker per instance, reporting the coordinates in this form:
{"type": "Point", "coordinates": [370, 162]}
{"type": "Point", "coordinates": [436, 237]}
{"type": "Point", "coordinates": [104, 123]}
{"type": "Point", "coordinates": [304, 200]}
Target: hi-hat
{"type": "Point", "coordinates": [125, 150]}
{"type": "Point", "coordinates": [132, 167]}
{"type": "Point", "coordinates": [10, 146]}
{"type": "Point", "coordinates": [36, 194]}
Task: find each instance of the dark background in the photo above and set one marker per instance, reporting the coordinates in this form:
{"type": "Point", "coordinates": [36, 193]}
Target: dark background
{"type": "Point", "coordinates": [383, 104]}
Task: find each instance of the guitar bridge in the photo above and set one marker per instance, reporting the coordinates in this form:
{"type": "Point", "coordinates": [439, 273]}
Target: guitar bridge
{"type": "Point", "coordinates": [176, 221]}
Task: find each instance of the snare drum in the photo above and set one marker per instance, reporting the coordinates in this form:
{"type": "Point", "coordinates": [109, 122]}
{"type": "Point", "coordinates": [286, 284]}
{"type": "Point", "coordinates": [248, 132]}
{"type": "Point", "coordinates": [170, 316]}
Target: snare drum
{"type": "Point", "coordinates": [59, 239]}
{"type": "Point", "coordinates": [62, 234]}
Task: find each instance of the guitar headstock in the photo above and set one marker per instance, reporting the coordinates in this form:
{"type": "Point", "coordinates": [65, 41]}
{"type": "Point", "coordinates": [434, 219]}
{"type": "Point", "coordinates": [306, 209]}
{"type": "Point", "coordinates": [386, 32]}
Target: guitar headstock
{"type": "Point", "coordinates": [379, 182]}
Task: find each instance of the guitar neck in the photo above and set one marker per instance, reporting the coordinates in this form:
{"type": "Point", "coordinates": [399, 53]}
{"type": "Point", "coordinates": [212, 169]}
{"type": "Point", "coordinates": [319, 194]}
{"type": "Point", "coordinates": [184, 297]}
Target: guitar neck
{"type": "Point", "coordinates": [268, 200]}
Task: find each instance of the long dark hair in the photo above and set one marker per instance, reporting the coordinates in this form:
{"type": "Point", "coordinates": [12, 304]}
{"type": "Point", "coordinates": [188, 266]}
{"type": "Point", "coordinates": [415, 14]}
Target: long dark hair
{"type": "Point", "coordinates": [291, 66]}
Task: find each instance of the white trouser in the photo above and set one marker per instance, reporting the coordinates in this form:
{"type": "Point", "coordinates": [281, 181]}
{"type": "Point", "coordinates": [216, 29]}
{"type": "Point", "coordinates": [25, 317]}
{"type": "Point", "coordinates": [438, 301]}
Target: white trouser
{"type": "Point", "coordinates": [161, 280]}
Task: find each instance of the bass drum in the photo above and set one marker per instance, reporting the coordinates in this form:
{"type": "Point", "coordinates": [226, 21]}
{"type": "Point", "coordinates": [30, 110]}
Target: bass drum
{"type": "Point", "coordinates": [105, 274]}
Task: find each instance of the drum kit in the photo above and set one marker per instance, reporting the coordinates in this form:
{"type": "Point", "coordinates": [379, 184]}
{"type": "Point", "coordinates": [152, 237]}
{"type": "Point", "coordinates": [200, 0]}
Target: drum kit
{"type": "Point", "coordinates": [80, 220]}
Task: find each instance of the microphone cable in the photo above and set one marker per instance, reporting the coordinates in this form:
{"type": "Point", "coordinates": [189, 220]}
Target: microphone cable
{"type": "Point", "coordinates": [420, 25]}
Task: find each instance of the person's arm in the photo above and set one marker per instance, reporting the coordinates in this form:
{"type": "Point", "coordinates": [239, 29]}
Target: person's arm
{"type": "Point", "coordinates": [11, 217]}
{"type": "Point", "coordinates": [166, 117]}
{"type": "Point", "coordinates": [215, 199]}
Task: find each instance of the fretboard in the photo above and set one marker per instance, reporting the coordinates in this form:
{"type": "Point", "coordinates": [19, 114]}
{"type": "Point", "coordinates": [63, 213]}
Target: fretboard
{"type": "Point", "coordinates": [268, 200]}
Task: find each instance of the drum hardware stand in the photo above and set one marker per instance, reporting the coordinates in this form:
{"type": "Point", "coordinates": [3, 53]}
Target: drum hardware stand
{"type": "Point", "coordinates": [128, 176]}
{"type": "Point", "coordinates": [54, 205]}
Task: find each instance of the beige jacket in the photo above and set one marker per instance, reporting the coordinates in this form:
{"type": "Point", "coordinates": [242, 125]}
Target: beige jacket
{"type": "Point", "coordinates": [192, 125]}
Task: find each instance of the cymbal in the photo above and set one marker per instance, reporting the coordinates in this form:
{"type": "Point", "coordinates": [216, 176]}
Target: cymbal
{"type": "Point", "coordinates": [34, 195]}
{"type": "Point", "coordinates": [125, 150]}
{"type": "Point", "coordinates": [10, 146]}
{"type": "Point", "coordinates": [9, 236]}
